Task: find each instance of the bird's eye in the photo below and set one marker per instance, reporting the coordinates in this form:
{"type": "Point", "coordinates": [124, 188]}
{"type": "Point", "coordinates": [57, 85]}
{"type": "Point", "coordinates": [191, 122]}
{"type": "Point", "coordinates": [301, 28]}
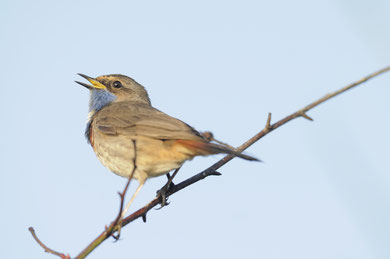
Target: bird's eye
{"type": "Point", "coordinates": [117, 84]}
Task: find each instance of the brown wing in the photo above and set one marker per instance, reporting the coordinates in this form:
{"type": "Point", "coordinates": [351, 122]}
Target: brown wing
{"type": "Point", "coordinates": [128, 119]}
{"type": "Point", "coordinates": [131, 119]}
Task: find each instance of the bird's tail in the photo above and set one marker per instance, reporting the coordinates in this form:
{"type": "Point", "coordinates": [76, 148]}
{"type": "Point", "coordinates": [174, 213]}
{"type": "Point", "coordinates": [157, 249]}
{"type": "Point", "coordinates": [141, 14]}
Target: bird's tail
{"type": "Point", "coordinates": [206, 148]}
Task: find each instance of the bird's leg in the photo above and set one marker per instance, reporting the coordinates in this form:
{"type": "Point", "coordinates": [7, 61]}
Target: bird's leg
{"type": "Point", "coordinates": [141, 184]}
{"type": "Point", "coordinates": [123, 214]}
{"type": "Point", "coordinates": [171, 184]}
{"type": "Point", "coordinates": [162, 192]}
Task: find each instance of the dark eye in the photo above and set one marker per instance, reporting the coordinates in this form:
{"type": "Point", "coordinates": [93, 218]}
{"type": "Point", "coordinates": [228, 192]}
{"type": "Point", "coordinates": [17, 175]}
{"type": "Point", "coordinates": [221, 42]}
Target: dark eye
{"type": "Point", "coordinates": [117, 84]}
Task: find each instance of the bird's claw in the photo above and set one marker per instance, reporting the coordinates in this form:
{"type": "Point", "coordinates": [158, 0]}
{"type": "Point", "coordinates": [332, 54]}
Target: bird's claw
{"type": "Point", "coordinates": [118, 235]}
{"type": "Point", "coordinates": [118, 224]}
{"type": "Point", "coordinates": [163, 198]}
{"type": "Point", "coordinates": [162, 194]}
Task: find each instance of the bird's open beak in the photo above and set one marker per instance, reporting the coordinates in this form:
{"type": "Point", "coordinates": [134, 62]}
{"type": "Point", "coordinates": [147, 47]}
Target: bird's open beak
{"type": "Point", "coordinates": [95, 83]}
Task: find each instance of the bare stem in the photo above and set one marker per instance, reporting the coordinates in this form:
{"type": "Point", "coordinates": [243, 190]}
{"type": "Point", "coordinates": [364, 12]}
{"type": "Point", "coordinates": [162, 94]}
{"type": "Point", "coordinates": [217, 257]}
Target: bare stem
{"type": "Point", "coordinates": [47, 250]}
{"type": "Point", "coordinates": [116, 225]}
{"type": "Point", "coordinates": [141, 213]}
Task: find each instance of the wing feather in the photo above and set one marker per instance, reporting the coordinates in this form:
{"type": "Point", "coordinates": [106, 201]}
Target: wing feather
{"type": "Point", "coordinates": [131, 119]}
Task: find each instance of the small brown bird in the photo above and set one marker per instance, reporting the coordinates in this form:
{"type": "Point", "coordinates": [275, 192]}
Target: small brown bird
{"type": "Point", "coordinates": [128, 134]}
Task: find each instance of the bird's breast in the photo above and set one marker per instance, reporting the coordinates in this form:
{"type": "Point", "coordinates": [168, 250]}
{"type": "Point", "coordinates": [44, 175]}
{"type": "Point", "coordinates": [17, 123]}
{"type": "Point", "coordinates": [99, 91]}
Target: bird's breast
{"type": "Point", "coordinates": [90, 135]}
{"type": "Point", "coordinates": [115, 153]}
{"type": "Point", "coordinates": [151, 157]}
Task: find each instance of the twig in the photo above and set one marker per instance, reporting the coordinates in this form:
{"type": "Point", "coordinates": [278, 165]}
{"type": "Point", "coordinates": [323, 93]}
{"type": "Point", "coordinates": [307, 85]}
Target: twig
{"type": "Point", "coordinates": [141, 213]}
{"type": "Point", "coordinates": [47, 250]}
{"type": "Point", "coordinates": [110, 229]}
{"type": "Point", "coordinates": [267, 129]}
{"type": "Point", "coordinates": [116, 225]}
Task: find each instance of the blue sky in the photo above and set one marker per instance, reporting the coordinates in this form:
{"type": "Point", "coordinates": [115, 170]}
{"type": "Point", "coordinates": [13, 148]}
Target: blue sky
{"type": "Point", "coordinates": [323, 189]}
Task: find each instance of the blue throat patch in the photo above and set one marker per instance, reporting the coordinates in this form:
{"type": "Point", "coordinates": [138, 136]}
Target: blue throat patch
{"type": "Point", "coordinates": [98, 99]}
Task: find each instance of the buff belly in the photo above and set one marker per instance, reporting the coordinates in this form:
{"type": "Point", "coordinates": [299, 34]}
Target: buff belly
{"type": "Point", "coordinates": [152, 157]}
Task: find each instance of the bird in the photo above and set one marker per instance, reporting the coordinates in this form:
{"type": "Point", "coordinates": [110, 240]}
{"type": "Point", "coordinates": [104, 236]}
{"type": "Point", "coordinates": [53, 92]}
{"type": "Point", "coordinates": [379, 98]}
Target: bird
{"type": "Point", "coordinates": [133, 139]}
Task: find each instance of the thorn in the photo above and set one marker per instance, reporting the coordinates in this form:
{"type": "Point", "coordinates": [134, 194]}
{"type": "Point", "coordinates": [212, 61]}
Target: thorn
{"type": "Point", "coordinates": [304, 115]}
{"type": "Point", "coordinates": [144, 218]}
{"type": "Point", "coordinates": [268, 123]}
{"type": "Point", "coordinates": [215, 173]}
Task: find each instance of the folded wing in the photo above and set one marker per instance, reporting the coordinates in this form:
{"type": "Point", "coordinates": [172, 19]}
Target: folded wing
{"type": "Point", "coordinates": [126, 118]}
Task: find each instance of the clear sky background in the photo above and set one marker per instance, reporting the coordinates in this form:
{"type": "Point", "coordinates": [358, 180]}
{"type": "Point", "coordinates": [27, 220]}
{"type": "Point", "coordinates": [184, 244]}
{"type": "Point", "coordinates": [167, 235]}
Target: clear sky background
{"type": "Point", "coordinates": [323, 191]}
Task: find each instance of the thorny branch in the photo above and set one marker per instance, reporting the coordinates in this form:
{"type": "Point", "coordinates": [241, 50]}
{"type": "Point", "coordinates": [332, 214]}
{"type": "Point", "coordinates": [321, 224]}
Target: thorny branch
{"type": "Point", "coordinates": [141, 213]}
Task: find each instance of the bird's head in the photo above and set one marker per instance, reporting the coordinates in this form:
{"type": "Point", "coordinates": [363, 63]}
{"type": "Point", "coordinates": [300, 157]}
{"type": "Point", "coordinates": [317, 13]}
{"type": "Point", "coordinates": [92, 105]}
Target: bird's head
{"type": "Point", "coordinates": [113, 88]}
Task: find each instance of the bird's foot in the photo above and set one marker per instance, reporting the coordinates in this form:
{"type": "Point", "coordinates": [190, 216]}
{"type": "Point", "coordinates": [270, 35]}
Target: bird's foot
{"type": "Point", "coordinates": [118, 232]}
{"type": "Point", "coordinates": [162, 194]}
{"type": "Point", "coordinates": [117, 227]}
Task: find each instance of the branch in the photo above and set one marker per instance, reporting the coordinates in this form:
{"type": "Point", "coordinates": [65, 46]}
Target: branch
{"type": "Point", "coordinates": [267, 129]}
{"type": "Point", "coordinates": [115, 226]}
{"type": "Point", "coordinates": [47, 250]}
{"type": "Point", "coordinates": [212, 169]}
